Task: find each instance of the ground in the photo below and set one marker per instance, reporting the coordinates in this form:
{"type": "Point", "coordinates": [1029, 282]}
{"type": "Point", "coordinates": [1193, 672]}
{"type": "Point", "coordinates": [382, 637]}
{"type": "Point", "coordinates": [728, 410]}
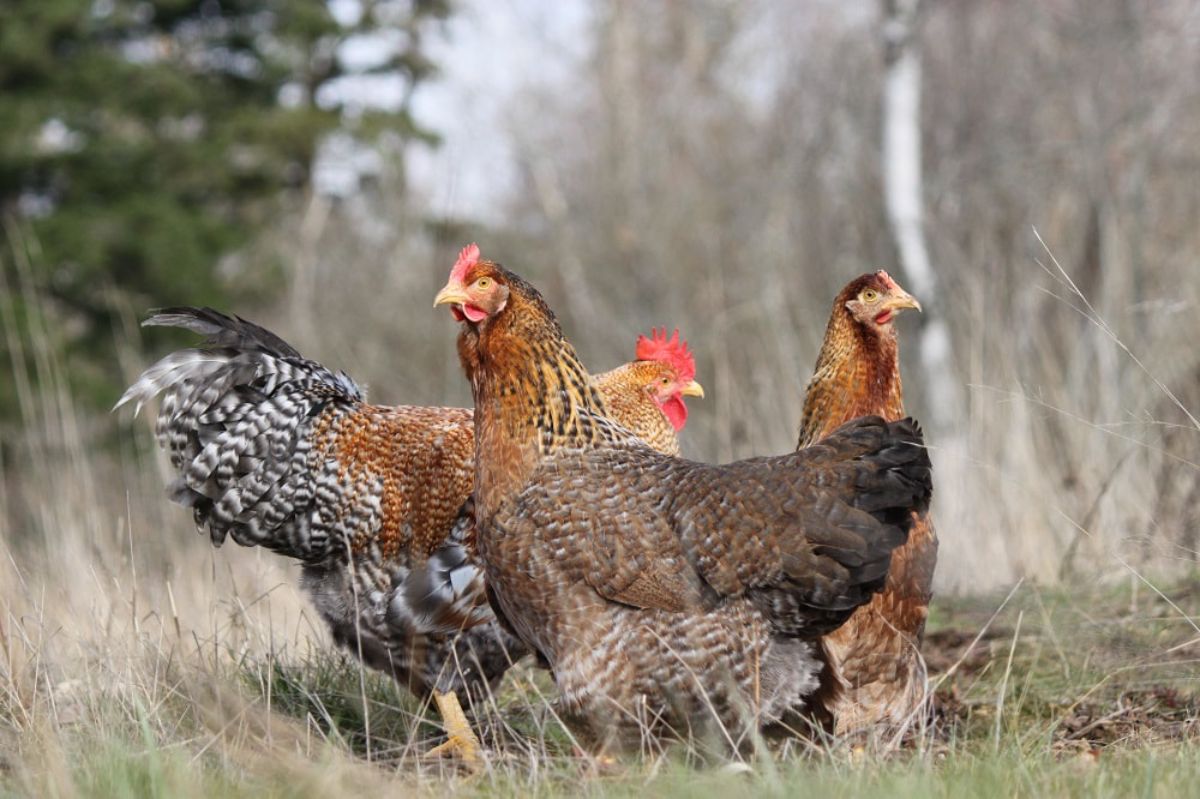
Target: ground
{"type": "Point", "coordinates": [1039, 692]}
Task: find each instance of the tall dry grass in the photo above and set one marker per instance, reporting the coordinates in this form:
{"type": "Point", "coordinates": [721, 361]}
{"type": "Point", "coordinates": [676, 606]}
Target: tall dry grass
{"type": "Point", "coordinates": [692, 172]}
{"type": "Point", "coordinates": [671, 184]}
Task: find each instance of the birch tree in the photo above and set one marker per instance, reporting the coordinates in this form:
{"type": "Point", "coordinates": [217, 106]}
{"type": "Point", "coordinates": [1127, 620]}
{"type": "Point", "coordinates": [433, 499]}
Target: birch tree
{"type": "Point", "coordinates": [903, 196]}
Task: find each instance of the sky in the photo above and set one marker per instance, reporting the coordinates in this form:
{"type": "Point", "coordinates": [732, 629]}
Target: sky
{"type": "Point", "coordinates": [486, 53]}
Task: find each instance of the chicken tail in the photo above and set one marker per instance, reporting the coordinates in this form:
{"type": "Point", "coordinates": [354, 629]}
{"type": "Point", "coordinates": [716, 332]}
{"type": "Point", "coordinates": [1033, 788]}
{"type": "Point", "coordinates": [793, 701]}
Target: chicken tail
{"type": "Point", "coordinates": [237, 420]}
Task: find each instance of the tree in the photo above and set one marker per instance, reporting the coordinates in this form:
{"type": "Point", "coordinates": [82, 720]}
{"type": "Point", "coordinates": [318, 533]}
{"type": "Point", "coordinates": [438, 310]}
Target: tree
{"type": "Point", "coordinates": [141, 142]}
{"type": "Point", "coordinates": [903, 195]}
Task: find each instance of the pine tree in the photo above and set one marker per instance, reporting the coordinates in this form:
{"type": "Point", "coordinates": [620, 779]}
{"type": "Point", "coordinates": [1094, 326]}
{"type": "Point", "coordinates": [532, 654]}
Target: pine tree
{"type": "Point", "coordinates": [140, 142]}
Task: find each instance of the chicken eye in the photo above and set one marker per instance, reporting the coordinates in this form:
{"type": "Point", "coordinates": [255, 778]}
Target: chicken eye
{"type": "Point", "coordinates": [665, 381]}
{"type": "Point", "coordinates": [870, 295]}
{"type": "Point", "coordinates": [483, 282]}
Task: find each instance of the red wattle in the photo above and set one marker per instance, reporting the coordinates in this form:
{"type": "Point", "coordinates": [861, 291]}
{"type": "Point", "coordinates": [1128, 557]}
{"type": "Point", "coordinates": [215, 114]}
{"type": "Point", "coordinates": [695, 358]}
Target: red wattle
{"type": "Point", "coordinates": [474, 314]}
{"type": "Point", "coordinates": [675, 411]}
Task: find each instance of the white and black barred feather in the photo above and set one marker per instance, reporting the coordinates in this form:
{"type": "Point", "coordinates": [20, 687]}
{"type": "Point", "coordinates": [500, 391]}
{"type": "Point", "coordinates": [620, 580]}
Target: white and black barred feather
{"type": "Point", "coordinates": [237, 420]}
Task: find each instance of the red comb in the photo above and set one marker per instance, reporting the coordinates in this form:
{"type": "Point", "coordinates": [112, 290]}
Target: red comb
{"type": "Point", "coordinates": [671, 350]}
{"type": "Point", "coordinates": [467, 257]}
{"type": "Point", "coordinates": [887, 280]}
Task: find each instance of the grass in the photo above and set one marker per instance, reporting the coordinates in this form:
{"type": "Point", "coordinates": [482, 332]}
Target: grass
{"type": "Point", "coordinates": [135, 660]}
{"type": "Point", "coordinates": [1038, 692]}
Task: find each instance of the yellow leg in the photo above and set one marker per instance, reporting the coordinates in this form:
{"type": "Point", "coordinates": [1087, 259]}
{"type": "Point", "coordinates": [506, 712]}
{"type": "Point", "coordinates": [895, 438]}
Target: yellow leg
{"type": "Point", "coordinates": [462, 740]}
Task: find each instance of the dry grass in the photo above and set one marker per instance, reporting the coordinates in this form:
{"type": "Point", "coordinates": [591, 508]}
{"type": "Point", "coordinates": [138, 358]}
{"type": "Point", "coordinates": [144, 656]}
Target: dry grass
{"type": "Point", "coordinates": [137, 660]}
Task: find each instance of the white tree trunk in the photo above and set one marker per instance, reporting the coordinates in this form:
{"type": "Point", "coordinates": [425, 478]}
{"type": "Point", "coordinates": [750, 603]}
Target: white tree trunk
{"type": "Point", "coordinates": [902, 189]}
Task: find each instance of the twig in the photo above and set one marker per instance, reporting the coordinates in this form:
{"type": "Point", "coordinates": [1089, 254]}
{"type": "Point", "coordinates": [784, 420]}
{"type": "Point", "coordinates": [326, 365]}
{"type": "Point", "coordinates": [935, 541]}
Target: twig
{"type": "Point", "coordinates": [1099, 322]}
{"type": "Point", "coordinates": [982, 630]}
{"type": "Point", "coordinates": [1093, 725]}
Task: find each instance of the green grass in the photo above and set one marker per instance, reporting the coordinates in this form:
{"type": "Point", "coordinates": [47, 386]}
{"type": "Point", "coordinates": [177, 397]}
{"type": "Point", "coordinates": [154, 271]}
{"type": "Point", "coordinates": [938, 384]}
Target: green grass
{"type": "Point", "coordinates": [114, 772]}
{"type": "Point", "coordinates": [1072, 692]}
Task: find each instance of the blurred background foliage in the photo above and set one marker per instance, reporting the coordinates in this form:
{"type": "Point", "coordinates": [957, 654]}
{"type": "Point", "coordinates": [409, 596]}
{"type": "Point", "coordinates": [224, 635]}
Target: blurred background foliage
{"type": "Point", "coordinates": [716, 165]}
{"type": "Point", "coordinates": [710, 164]}
{"type": "Point", "coordinates": [143, 145]}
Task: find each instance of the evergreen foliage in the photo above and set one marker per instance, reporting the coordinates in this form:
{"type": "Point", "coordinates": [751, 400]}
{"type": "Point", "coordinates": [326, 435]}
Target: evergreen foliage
{"type": "Point", "coordinates": [142, 142]}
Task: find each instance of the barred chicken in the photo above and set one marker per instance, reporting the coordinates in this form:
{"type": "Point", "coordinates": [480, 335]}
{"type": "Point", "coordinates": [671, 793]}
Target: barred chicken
{"type": "Point", "coordinates": [669, 598]}
{"type": "Point", "coordinates": [877, 675]}
{"type": "Point", "coordinates": [277, 451]}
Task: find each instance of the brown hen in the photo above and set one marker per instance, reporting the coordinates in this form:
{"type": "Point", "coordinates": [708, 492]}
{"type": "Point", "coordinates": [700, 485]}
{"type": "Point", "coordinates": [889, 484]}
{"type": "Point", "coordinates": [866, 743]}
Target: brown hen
{"type": "Point", "coordinates": [277, 451]}
{"type": "Point", "coordinates": [668, 597]}
{"type": "Point", "coordinates": [877, 673]}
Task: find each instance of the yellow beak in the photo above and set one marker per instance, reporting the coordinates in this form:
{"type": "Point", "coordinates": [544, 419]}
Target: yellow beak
{"type": "Point", "coordinates": [451, 293]}
{"type": "Point", "coordinates": [693, 389]}
{"type": "Point", "coordinates": [899, 299]}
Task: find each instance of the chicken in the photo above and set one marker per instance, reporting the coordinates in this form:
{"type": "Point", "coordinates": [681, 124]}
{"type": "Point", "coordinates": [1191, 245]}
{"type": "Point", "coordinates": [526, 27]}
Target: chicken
{"type": "Point", "coordinates": [277, 451]}
{"type": "Point", "coordinates": [666, 368]}
{"type": "Point", "coordinates": [877, 674]}
{"type": "Point", "coordinates": [669, 598]}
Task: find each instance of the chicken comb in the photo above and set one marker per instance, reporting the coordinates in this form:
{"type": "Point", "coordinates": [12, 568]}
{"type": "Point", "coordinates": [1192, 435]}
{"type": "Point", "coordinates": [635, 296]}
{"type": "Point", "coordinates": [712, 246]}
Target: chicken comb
{"type": "Point", "coordinates": [888, 283]}
{"type": "Point", "coordinates": [671, 350]}
{"type": "Point", "coordinates": [467, 257]}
